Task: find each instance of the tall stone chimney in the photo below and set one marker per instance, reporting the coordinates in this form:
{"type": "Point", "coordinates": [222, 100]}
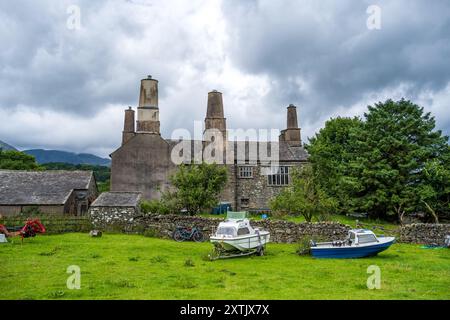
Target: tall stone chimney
{"type": "Point", "coordinates": [148, 111]}
{"type": "Point", "coordinates": [128, 126]}
{"type": "Point", "coordinates": [292, 134]}
{"type": "Point", "coordinates": [292, 122]}
{"type": "Point", "coordinates": [214, 114]}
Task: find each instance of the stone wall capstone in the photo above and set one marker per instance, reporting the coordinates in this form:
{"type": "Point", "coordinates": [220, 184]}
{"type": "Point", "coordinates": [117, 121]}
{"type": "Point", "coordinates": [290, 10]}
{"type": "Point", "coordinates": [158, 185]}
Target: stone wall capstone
{"type": "Point", "coordinates": [424, 233]}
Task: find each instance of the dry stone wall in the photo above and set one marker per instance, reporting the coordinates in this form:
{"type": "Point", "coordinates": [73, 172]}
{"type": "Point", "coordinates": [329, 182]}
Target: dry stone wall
{"type": "Point", "coordinates": [113, 218]}
{"type": "Point", "coordinates": [424, 233]}
{"type": "Point", "coordinates": [164, 225]}
{"type": "Point", "coordinates": [127, 220]}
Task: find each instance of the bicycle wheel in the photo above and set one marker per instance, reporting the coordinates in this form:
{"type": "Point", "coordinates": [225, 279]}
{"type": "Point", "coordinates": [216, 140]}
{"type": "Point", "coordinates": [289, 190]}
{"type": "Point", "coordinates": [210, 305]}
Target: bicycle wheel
{"type": "Point", "coordinates": [178, 236]}
{"type": "Point", "coordinates": [198, 236]}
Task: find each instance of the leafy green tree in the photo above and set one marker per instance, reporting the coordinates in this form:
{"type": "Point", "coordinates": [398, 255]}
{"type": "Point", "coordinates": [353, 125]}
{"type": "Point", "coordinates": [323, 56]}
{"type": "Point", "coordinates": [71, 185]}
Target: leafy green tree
{"type": "Point", "coordinates": [16, 160]}
{"type": "Point", "coordinates": [331, 151]}
{"type": "Point", "coordinates": [394, 145]}
{"type": "Point", "coordinates": [197, 187]}
{"type": "Point", "coordinates": [433, 193]}
{"type": "Point", "coordinates": [304, 196]}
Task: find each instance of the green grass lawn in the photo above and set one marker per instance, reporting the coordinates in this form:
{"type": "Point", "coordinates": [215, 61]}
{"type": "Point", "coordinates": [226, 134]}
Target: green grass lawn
{"type": "Point", "coordinates": [136, 267]}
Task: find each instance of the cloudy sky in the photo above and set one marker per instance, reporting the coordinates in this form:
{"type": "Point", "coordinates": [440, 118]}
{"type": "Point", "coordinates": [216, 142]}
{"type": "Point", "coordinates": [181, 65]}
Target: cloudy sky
{"type": "Point", "coordinates": [65, 87]}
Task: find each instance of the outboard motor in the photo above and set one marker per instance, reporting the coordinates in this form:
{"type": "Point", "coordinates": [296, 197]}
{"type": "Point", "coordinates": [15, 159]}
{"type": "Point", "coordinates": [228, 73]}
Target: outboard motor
{"type": "Point", "coordinates": [447, 241]}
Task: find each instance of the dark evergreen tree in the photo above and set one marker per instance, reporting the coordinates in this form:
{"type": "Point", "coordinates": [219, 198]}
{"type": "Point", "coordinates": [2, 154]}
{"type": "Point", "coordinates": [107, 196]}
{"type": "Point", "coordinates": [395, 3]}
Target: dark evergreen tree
{"type": "Point", "coordinates": [394, 145]}
{"type": "Point", "coordinates": [331, 151]}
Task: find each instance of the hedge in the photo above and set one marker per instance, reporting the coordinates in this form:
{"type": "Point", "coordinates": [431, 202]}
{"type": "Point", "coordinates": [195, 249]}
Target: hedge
{"type": "Point", "coordinates": [54, 224]}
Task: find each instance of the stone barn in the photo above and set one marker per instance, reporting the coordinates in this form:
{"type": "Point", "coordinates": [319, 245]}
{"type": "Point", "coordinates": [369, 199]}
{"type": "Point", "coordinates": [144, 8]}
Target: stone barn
{"type": "Point", "coordinates": [257, 171]}
{"type": "Point", "coordinates": [112, 207]}
{"type": "Point", "coordinates": [50, 192]}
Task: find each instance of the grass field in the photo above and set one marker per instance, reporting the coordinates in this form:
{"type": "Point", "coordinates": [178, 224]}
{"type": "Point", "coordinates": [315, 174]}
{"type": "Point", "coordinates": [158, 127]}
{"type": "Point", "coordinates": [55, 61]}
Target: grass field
{"type": "Point", "coordinates": [136, 267]}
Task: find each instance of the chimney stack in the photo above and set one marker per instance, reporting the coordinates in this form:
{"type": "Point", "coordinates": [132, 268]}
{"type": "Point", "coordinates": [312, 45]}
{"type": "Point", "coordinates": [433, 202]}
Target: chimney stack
{"type": "Point", "coordinates": [215, 105]}
{"type": "Point", "coordinates": [214, 114]}
{"type": "Point", "coordinates": [292, 122]}
{"type": "Point", "coordinates": [291, 135]}
{"type": "Point", "coordinates": [148, 111]}
{"type": "Point", "coordinates": [128, 126]}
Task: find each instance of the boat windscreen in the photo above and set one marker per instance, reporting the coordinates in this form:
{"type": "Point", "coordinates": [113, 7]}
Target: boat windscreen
{"type": "Point", "coordinates": [226, 231]}
{"type": "Point", "coordinates": [366, 238]}
{"type": "Point", "coordinates": [236, 215]}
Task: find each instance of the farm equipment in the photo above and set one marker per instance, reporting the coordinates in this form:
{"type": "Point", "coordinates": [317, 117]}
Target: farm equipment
{"type": "Point", "coordinates": [29, 230]}
{"type": "Point", "coordinates": [181, 234]}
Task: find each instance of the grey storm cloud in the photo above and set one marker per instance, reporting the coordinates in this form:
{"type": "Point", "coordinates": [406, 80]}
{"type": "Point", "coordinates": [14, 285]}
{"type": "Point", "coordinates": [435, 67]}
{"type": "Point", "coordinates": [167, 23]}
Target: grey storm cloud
{"type": "Point", "coordinates": [329, 45]}
{"type": "Point", "coordinates": [41, 68]}
{"type": "Point", "coordinates": [48, 66]}
{"type": "Point", "coordinates": [262, 54]}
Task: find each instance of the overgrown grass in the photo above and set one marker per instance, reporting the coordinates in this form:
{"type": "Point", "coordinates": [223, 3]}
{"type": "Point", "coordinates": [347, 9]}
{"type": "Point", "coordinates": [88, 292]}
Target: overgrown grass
{"type": "Point", "coordinates": [138, 267]}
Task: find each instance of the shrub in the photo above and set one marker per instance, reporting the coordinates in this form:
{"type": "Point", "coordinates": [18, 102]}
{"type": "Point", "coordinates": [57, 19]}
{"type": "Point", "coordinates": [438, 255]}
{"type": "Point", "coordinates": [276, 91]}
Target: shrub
{"type": "Point", "coordinates": [304, 196]}
{"type": "Point", "coordinates": [304, 244]}
{"type": "Point", "coordinates": [189, 263]}
{"type": "Point", "coordinates": [197, 186]}
{"type": "Point", "coordinates": [155, 206]}
{"type": "Point", "coordinates": [303, 247]}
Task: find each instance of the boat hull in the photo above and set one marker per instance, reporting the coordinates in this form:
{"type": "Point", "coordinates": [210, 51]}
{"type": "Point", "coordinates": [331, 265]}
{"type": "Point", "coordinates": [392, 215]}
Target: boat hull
{"type": "Point", "coordinates": [246, 243]}
{"type": "Point", "coordinates": [350, 251]}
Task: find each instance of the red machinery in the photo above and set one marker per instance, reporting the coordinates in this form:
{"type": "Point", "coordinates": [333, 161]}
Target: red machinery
{"type": "Point", "coordinates": [30, 229]}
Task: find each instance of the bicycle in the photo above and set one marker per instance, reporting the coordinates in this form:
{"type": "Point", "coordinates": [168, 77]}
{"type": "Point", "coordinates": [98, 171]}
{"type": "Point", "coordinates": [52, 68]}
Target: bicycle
{"type": "Point", "coordinates": [181, 234]}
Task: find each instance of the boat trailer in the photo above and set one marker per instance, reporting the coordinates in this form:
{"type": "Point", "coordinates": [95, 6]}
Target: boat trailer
{"type": "Point", "coordinates": [219, 251]}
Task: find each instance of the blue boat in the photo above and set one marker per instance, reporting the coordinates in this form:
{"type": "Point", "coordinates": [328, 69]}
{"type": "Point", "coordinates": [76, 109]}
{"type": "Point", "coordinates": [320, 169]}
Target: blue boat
{"type": "Point", "coordinates": [360, 243]}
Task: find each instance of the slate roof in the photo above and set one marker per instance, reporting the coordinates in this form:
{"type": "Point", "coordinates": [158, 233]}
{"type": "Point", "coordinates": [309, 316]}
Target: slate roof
{"type": "Point", "coordinates": [286, 151]}
{"type": "Point", "coordinates": [117, 199]}
{"type": "Point", "coordinates": [41, 187]}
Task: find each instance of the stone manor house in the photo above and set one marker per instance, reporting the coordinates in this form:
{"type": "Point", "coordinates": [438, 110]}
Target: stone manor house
{"type": "Point", "coordinates": [145, 160]}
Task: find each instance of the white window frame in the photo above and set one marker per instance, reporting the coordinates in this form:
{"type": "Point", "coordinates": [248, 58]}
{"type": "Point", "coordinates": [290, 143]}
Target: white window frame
{"type": "Point", "coordinates": [245, 172]}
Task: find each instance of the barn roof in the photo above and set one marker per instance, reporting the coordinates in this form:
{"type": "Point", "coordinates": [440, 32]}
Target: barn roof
{"type": "Point", "coordinates": [117, 199]}
{"type": "Point", "coordinates": [41, 187]}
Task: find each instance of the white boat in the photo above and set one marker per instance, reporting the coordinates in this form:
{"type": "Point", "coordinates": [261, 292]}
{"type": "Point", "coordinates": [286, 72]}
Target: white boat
{"type": "Point", "coordinates": [236, 235]}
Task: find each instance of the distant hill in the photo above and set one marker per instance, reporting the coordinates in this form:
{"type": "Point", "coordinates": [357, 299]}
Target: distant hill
{"type": "Point", "coordinates": [4, 146]}
{"type": "Point", "coordinates": [102, 173]}
{"type": "Point", "coordinates": [47, 156]}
